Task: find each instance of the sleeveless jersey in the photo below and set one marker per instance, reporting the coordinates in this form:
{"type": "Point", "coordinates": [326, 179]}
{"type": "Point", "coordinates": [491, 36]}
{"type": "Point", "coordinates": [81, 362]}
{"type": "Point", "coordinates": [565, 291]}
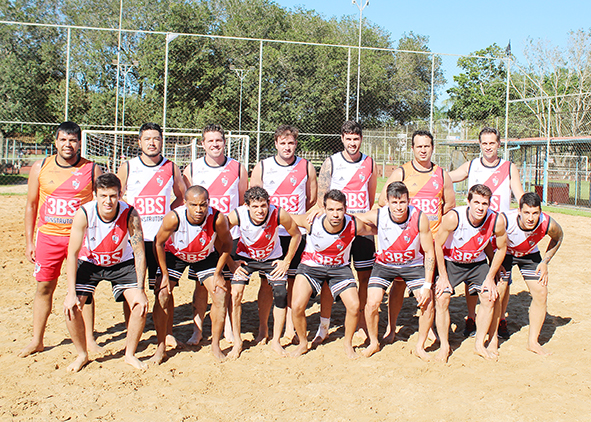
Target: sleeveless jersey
{"type": "Point", "coordinates": [106, 243]}
{"type": "Point", "coordinates": [425, 189]}
{"type": "Point", "coordinates": [466, 244]}
{"type": "Point", "coordinates": [399, 244]}
{"type": "Point", "coordinates": [192, 242]}
{"type": "Point", "coordinates": [259, 242]}
{"type": "Point", "coordinates": [61, 192]}
{"type": "Point", "coordinates": [324, 249]}
{"type": "Point", "coordinates": [353, 180]}
{"type": "Point", "coordinates": [523, 242]}
{"type": "Point", "coordinates": [497, 178]}
{"type": "Point", "coordinates": [286, 185]}
{"type": "Point", "coordinates": [148, 190]}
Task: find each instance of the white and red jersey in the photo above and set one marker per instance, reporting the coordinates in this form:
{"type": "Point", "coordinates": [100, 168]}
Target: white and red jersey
{"type": "Point", "coordinates": [497, 178]}
{"type": "Point", "coordinates": [286, 185]}
{"type": "Point", "coordinates": [399, 244]}
{"type": "Point", "coordinates": [353, 179]}
{"type": "Point", "coordinates": [523, 242]}
{"type": "Point", "coordinates": [467, 242]}
{"type": "Point", "coordinates": [106, 243]}
{"type": "Point", "coordinates": [148, 190]}
{"type": "Point", "coordinates": [259, 241]}
{"type": "Point", "coordinates": [192, 242]}
{"type": "Point", "coordinates": [324, 249]}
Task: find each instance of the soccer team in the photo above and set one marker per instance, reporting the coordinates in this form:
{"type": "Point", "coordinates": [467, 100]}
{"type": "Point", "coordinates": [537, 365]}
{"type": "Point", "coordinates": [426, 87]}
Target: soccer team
{"type": "Point", "coordinates": [299, 232]}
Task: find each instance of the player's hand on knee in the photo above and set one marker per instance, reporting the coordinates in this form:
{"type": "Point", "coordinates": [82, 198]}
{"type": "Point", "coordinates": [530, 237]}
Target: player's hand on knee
{"type": "Point", "coordinates": [423, 296]}
{"type": "Point", "coordinates": [240, 270]}
{"type": "Point", "coordinates": [490, 287]}
{"type": "Point", "coordinates": [280, 269]}
{"type": "Point", "coordinates": [219, 283]}
{"type": "Point", "coordinates": [70, 304]}
{"type": "Point", "coordinates": [542, 270]}
{"type": "Point", "coordinates": [442, 285]}
{"type": "Point", "coordinates": [140, 300]}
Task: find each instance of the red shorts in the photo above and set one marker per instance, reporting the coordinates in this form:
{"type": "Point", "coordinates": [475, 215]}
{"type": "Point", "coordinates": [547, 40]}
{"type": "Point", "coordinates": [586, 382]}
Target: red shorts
{"type": "Point", "coordinates": [50, 252]}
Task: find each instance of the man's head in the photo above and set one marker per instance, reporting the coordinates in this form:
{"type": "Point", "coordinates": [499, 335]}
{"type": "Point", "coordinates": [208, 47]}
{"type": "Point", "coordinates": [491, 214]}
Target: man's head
{"type": "Point", "coordinates": [490, 141]}
{"type": "Point", "coordinates": [422, 146]}
{"type": "Point", "coordinates": [530, 209]}
{"type": "Point", "coordinates": [197, 202]}
{"type": "Point", "coordinates": [286, 141]}
{"type": "Point", "coordinates": [68, 139]}
{"type": "Point", "coordinates": [479, 201]}
{"type": "Point", "coordinates": [257, 201]}
{"type": "Point", "coordinates": [351, 136]}
{"type": "Point", "coordinates": [213, 140]}
{"type": "Point", "coordinates": [335, 206]}
{"type": "Point", "coordinates": [107, 192]}
{"type": "Point", "coordinates": [397, 194]}
{"type": "Point", "coordinates": [150, 140]}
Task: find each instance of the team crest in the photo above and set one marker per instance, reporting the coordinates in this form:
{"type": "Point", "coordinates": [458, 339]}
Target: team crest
{"type": "Point", "coordinates": [159, 181]}
{"type": "Point", "coordinates": [75, 183]}
{"type": "Point", "coordinates": [339, 246]}
{"type": "Point", "coordinates": [480, 239]}
{"type": "Point", "coordinates": [362, 177]}
{"type": "Point", "coordinates": [115, 238]}
{"type": "Point", "coordinates": [435, 184]}
{"type": "Point", "coordinates": [495, 181]}
{"type": "Point", "coordinates": [293, 181]}
{"type": "Point", "coordinates": [531, 243]}
{"type": "Point", "coordinates": [202, 241]}
{"type": "Point", "coordinates": [268, 236]}
{"type": "Point", "coordinates": [224, 181]}
{"type": "Point", "coordinates": [406, 238]}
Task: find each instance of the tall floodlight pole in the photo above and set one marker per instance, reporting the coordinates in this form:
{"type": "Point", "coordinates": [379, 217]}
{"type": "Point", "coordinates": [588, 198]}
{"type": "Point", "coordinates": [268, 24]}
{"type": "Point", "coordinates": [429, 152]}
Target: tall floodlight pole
{"type": "Point", "coordinates": [360, 7]}
{"type": "Point", "coordinates": [241, 73]}
{"type": "Point", "coordinates": [117, 85]}
{"type": "Point", "coordinates": [169, 37]}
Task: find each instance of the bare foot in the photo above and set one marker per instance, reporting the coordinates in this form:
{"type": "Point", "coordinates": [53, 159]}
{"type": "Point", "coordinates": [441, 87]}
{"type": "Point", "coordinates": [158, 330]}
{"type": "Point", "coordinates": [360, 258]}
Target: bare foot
{"type": "Point", "coordinates": [420, 353]}
{"type": "Point", "coordinates": [277, 348]}
{"type": "Point", "coordinates": [350, 352]}
{"type": "Point", "coordinates": [443, 355]}
{"type": "Point", "coordinates": [538, 349]}
{"type": "Point", "coordinates": [93, 347]}
{"type": "Point", "coordinates": [432, 336]}
{"type": "Point", "coordinates": [300, 350]}
{"type": "Point", "coordinates": [389, 337]}
{"type": "Point", "coordinates": [292, 339]}
{"type": "Point", "coordinates": [370, 350]}
{"type": "Point", "coordinates": [217, 353]}
{"type": "Point", "coordinates": [194, 340]}
{"type": "Point", "coordinates": [135, 362]}
{"type": "Point", "coordinates": [77, 365]}
{"type": "Point", "coordinates": [31, 348]}
{"type": "Point", "coordinates": [362, 334]}
{"type": "Point", "coordinates": [493, 349]}
{"type": "Point", "coordinates": [159, 357]}
{"type": "Point", "coordinates": [173, 343]}
{"type": "Point", "coordinates": [228, 334]}
{"type": "Point", "coordinates": [482, 352]}
{"type": "Point", "coordinates": [261, 339]}
{"type": "Point", "coordinates": [236, 350]}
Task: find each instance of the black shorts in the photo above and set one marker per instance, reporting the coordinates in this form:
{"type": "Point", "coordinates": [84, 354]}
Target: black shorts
{"type": "Point", "coordinates": [263, 267]}
{"type": "Point", "coordinates": [363, 252]}
{"type": "Point", "coordinates": [382, 276]}
{"type": "Point", "coordinates": [122, 277]}
{"type": "Point", "coordinates": [339, 279]}
{"type": "Point", "coordinates": [198, 271]}
{"type": "Point", "coordinates": [293, 266]}
{"type": "Point", "coordinates": [527, 265]}
{"type": "Point", "coordinates": [473, 274]}
{"type": "Point", "coordinates": [152, 262]}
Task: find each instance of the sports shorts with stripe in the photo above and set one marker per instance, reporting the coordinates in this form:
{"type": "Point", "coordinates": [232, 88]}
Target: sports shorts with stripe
{"type": "Point", "coordinates": [122, 277]}
{"type": "Point", "coordinates": [339, 279]}
{"type": "Point", "coordinates": [363, 252]}
{"type": "Point", "coordinates": [263, 267]}
{"type": "Point", "coordinates": [198, 271]}
{"type": "Point", "coordinates": [473, 274]}
{"type": "Point", "coordinates": [527, 265]}
{"type": "Point", "coordinates": [297, 258]}
{"type": "Point", "coordinates": [152, 262]}
{"type": "Point", "coordinates": [382, 276]}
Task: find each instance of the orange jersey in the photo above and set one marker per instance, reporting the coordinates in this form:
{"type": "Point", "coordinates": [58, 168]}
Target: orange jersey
{"type": "Point", "coordinates": [425, 189]}
{"type": "Point", "coordinates": [61, 192]}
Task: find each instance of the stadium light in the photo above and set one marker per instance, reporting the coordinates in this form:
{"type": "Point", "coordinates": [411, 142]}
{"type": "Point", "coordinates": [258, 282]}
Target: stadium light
{"type": "Point", "coordinates": [360, 7]}
{"type": "Point", "coordinates": [169, 38]}
{"type": "Point", "coordinates": [241, 73]}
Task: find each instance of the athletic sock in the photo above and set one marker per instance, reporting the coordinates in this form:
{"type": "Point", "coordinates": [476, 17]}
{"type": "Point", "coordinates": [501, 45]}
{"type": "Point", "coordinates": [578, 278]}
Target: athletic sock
{"type": "Point", "coordinates": [323, 328]}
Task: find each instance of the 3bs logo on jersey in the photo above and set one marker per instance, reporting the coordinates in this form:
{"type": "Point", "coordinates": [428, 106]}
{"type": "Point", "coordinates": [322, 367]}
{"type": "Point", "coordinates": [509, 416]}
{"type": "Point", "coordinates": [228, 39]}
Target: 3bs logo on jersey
{"type": "Point", "coordinates": [61, 207]}
{"type": "Point", "coordinates": [150, 205]}
{"type": "Point", "coordinates": [220, 203]}
{"type": "Point", "coordinates": [106, 259]}
{"type": "Point", "coordinates": [289, 203]}
{"type": "Point", "coordinates": [429, 206]}
{"type": "Point", "coordinates": [396, 257]}
{"type": "Point", "coordinates": [356, 200]}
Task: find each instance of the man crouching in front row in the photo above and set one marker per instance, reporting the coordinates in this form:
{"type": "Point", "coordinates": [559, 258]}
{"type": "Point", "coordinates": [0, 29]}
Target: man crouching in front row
{"type": "Point", "coordinates": [106, 243]}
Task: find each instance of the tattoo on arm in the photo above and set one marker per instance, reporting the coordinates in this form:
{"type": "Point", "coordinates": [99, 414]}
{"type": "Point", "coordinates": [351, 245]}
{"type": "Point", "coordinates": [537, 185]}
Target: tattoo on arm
{"type": "Point", "coordinates": [556, 234]}
{"type": "Point", "coordinates": [136, 239]}
{"type": "Point", "coordinates": [324, 179]}
{"type": "Point", "coordinates": [429, 264]}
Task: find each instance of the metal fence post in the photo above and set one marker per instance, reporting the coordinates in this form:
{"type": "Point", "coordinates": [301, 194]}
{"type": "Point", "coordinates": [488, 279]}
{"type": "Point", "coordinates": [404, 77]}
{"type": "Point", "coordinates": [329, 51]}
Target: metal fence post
{"type": "Point", "coordinates": [67, 75]}
{"type": "Point", "coordinates": [432, 92]}
{"type": "Point", "coordinates": [259, 105]}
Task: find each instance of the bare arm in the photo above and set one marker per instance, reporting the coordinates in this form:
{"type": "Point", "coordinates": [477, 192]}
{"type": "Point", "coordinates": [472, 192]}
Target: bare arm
{"type": "Point", "coordinates": [122, 175]}
{"type": "Point", "coordinates": [449, 195]}
{"type": "Point", "coordinates": [448, 225]}
{"type": "Point", "coordinates": [324, 179]}
{"type": "Point", "coordinates": [301, 220]}
{"type": "Point", "coordinates": [233, 219]}
{"type": "Point", "coordinates": [426, 239]}
{"type": "Point", "coordinates": [242, 184]}
{"type": "Point", "coordinates": [224, 245]}
{"type": "Point", "coordinates": [77, 232]}
{"type": "Point", "coordinates": [136, 239]}
{"type": "Point", "coordinates": [396, 176]}
{"type": "Point", "coordinates": [370, 218]}
{"type": "Point", "coordinates": [169, 225]}
{"type": "Point", "coordinates": [372, 185]}
{"type": "Point", "coordinates": [516, 187]}
{"type": "Point", "coordinates": [311, 187]}
{"type": "Point", "coordinates": [179, 187]}
{"type": "Point", "coordinates": [556, 236]}
{"type": "Point", "coordinates": [364, 229]}
{"type": "Point", "coordinates": [282, 265]}
{"type": "Point", "coordinates": [498, 257]}
{"type": "Point", "coordinates": [461, 173]}
{"type": "Point", "coordinates": [256, 177]}
{"type": "Point", "coordinates": [187, 176]}
{"type": "Point", "coordinates": [31, 210]}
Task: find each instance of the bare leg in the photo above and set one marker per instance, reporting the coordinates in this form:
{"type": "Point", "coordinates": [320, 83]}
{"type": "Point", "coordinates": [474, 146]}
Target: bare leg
{"type": "Point", "coordinates": [442, 323]}
{"type": "Point", "coordinates": [425, 323]}
{"type": "Point", "coordinates": [228, 334]}
{"type": "Point", "coordinates": [88, 316]}
{"type": "Point", "coordinates": [350, 299]}
{"type": "Point", "coordinates": [279, 315]}
{"type": "Point", "coordinates": [289, 328]}
{"type": "Point", "coordinates": [372, 317]}
{"type": "Point", "coordinates": [363, 278]}
{"type": "Point", "coordinates": [78, 335]}
{"type": "Point", "coordinates": [265, 303]}
{"type": "Point", "coordinates": [137, 321]}
{"type": "Point", "coordinates": [237, 293]}
{"type": "Point", "coordinates": [126, 313]}
{"type": "Point", "coordinates": [160, 315]}
{"type": "Point", "coordinates": [493, 339]}
{"type": "Point", "coordinates": [471, 302]}
{"type": "Point", "coordinates": [537, 315]}
{"type": "Point", "coordinates": [199, 309]}
{"type": "Point", "coordinates": [217, 314]}
{"type": "Point", "coordinates": [326, 301]}
{"type": "Point", "coordinates": [171, 340]}
{"type": "Point", "coordinates": [483, 322]}
{"type": "Point", "coordinates": [395, 302]}
{"type": "Point", "coordinates": [299, 301]}
{"type": "Point", "coordinates": [42, 304]}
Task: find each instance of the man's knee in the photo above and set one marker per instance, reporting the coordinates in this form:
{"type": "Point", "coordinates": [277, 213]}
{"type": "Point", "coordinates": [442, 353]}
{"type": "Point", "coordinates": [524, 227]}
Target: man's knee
{"type": "Point", "coordinates": [46, 288]}
{"type": "Point", "coordinates": [442, 302]}
{"type": "Point", "coordinates": [280, 296]}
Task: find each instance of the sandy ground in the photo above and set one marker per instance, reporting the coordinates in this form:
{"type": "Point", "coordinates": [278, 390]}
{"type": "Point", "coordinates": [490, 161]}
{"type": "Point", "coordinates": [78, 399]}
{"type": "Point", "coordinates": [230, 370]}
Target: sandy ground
{"type": "Point", "coordinates": [321, 385]}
